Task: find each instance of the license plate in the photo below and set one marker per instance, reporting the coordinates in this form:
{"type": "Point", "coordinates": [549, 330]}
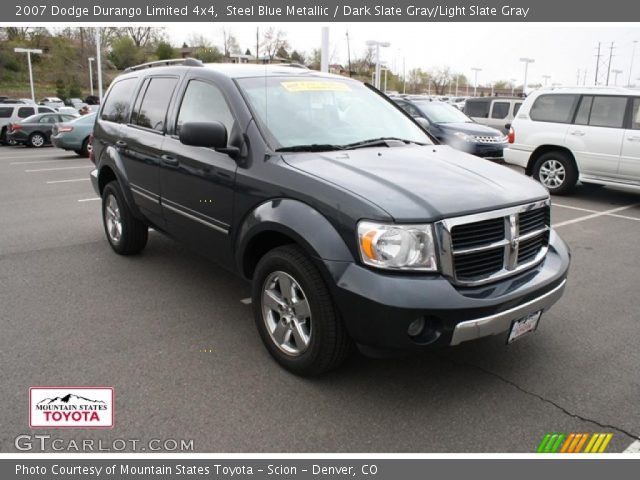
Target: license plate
{"type": "Point", "coordinates": [523, 326]}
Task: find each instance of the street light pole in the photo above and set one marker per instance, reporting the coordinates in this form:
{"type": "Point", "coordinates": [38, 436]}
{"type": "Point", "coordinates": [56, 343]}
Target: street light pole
{"type": "Point", "coordinates": [377, 44]}
{"type": "Point", "coordinates": [633, 54]}
{"type": "Point", "coordinates": [615, 78]}
{"type": "Point", "coordinates": [526, 61]}
{"type": "Point", "coordinates": [513, 86]}
{"type": "Point", "coordinates": [29, 51]}
{"type": "Point", "coordinates": [475, 85]}
{"type": "Point", "coordinates": [91, 59]}
{"type": "Point", "coordinates": [99, 63]}
{"type": "Point", "coordinates": [546, 78]}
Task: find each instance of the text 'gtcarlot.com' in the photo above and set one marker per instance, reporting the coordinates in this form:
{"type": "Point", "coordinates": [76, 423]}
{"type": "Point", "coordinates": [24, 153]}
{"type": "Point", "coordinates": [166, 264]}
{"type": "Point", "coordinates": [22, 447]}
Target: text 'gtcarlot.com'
{"type": "Point", "coordinates": [45, 442]}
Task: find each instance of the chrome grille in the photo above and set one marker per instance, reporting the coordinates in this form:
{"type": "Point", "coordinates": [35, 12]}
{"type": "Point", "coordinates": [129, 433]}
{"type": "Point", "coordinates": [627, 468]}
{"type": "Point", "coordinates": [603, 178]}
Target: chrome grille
{"type": "Point", "coordinates": [481, 248]}
{"type": "Point", "coordinates": [488, 139]}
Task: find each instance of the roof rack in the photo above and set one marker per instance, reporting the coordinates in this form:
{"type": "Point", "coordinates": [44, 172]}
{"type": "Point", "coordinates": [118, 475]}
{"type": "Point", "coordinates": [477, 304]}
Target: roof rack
{"type": "Point", "coordinates": [187, 62]}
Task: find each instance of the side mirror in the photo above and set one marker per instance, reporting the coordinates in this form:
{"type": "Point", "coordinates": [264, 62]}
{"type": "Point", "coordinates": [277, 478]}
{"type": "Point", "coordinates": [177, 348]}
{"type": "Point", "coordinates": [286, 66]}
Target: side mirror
{"type": "Point", "coordinates": [423, 122]}
{"type": "Point", "coordinates": [209, 135]}
{"type": "Point", "coordinates": [204, 134]}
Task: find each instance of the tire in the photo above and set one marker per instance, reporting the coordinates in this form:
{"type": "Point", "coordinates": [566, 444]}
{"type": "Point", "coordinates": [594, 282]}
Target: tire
{"type": "Point", "coordinates": [301, 329]}
{"type": "Point", "coordinates": [126, 234]}
{"type": "Point", "coordinates": [84, 151]}
{"type": "Point", "coordinates": [37, 140]}
{"type": "Point", "coordinates": [557, 172]}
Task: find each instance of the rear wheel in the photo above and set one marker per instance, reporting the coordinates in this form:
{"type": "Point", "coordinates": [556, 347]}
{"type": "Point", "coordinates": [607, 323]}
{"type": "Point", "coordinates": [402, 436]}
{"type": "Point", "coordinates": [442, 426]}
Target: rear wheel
{"type": "Point", "coordinates": [37, 140]}
{"type": "Point", "coordinates": [126, 234]}
{"type": "Point", "coordinates": [295, 314]}
{"type": "Point", "coordinates": [556, 171]}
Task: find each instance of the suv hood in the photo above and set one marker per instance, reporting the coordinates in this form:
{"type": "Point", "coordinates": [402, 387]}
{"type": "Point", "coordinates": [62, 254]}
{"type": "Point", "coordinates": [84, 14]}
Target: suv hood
{"type": "Point", "coordinates": [421, 183]}
{"type": "Point", "coordinates": [470, 129]}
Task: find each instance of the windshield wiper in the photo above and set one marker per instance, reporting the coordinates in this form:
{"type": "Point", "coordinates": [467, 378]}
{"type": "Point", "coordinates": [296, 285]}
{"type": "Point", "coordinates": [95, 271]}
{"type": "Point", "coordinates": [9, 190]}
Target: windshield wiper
{"type": "Point", "coordinates": [314, 147]}
{"type": "Point", "coordinates": [377, 142]}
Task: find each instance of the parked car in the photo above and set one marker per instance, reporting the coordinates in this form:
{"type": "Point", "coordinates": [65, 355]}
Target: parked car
{"type": "Point", "coordinates": [351, 222]}
{"type": "Point", "coordinates": [15, 113]}
{"type": "Point", "coordinates": [68, 111]}
{"type": "Point", "coordinates": [563, 135]}
{"type": "Point", "coordinates": [92, 100]}
{"type": "Point", "coordinates": [53, 102]}
{"type": "Point", "coordinates": [35, 131]}
{"type": "Point", "coordinates": [76, 103]}
{"type": "Point", "coordinates": [496, 112]}
{"type": "Point", "coordinates": [14, 101]}
{"type": "Point", "coordinates": [458, 102]}
{"type": "Point", "coordinates": [452, 127]}
{"type": "Point", "coordinates": [75, 134]}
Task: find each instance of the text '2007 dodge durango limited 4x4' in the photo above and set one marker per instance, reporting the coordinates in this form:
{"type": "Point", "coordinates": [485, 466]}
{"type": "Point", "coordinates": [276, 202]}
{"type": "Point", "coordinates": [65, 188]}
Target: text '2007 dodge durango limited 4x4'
{"type": "Point", "coordinates": [352, 223]}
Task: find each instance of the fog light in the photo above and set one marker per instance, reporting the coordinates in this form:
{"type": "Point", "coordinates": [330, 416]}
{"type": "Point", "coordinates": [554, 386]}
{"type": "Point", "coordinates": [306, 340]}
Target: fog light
{"type": "Point", "coordinates": [416, 327]}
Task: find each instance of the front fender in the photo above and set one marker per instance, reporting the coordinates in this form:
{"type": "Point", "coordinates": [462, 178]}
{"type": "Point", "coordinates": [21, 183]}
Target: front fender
{"type": "Point", "coordinates": [308, 227]}
{"type": "Point", "coordinates": [111, 158]}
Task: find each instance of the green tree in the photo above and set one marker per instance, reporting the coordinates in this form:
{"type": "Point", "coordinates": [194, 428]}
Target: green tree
{"type": "Point", "coordinates": [74, 88]}
{"type": "Point", "coordinates": [164, 51]}
{"type": "Point", "coordinates": [297, 57]}
{"type": "Point", "coordinates": [61, 89]}
{"type": "Point", "coordinates": [124, 53]}
{"type": "Point", "coordinates": [208, 54]}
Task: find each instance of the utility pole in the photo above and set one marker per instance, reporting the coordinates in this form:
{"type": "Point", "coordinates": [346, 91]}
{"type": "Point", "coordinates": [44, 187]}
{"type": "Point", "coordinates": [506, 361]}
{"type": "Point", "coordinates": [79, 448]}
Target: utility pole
{"type": "Point", "coordinates": [475, 85]}
{"type": "Point", "coordinates": [578, 78]}
{"type": "Point", "coordinates": [29, 51]}
{"type": "Point", "coordinates": [584, 78]}
{"type": "Point", "coordinates": [609, 66]}
{"type": "Point", "coordinates": [257, 44]}
{"type": "Point", "coordinates": [597, 64]}
{"type": "Point", "coordinates": [546, 78]}
{"type": "Point", "coordinates": [99, 62]}
{"type": "Point", "coordinates": [615, 78]}
{"type": "Point", "coordinates": [349, 53]}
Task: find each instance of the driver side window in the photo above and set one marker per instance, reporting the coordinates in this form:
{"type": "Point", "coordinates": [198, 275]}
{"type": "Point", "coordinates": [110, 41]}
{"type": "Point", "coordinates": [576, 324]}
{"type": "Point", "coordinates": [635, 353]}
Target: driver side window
{"type": "Point", "coordinates": [204, 102]}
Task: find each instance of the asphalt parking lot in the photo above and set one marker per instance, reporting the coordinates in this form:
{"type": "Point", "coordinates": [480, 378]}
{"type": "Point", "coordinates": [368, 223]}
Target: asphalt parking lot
{"type": "Point", "coordinates": [170, 333]}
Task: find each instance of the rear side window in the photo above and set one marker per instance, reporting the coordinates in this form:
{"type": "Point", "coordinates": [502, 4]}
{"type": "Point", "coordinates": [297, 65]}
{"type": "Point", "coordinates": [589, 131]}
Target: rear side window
{"type": "Point", "coordinates": [116, 107]}
{"type": "Point", "coordinates": [45, 110]}
{"type": "Point", "coordinates": [49, 119]}
{"type": "Point", "coordinates": [5, 112]}
{"type": "Point", "coordinates": [554, 108]}
{"type": "Point", "coordinates": [477, 109]}
{"type": "Point", "coordinates": [500, 110]}
{"type": "Point", "coordinates": [516, 108]}
{"type": "Point", "coordinates": [203, 102]}
{"type": "Point", "coordinates": [635, 114]}
{"type": "Point", "coordinates": [24, 112]}
{"type": "Point", "coordinates": [608, 112]}
{"type": "Point", "coordinates": [153, 109]}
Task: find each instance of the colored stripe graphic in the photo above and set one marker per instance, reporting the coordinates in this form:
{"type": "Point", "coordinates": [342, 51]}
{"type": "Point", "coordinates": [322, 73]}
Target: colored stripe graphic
{"type": "Point", "coordinates": [574, 443]}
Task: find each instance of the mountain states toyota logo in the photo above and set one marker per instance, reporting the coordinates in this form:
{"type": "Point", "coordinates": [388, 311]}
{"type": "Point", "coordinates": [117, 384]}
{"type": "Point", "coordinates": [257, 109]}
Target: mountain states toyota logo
{"type": "Point", "coordinates": [71, 407]}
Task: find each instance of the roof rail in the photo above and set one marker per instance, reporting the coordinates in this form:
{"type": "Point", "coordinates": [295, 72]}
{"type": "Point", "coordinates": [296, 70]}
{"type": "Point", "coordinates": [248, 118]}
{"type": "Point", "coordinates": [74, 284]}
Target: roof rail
{"type": "Point", "coordinates": [187, 62]}
{"type": "Point", "coordinates": [296, 65]}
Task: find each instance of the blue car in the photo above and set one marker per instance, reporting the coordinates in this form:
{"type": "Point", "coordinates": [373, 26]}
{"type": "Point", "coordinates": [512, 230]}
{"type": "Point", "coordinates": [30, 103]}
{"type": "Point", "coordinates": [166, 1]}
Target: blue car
{"type": "Point", "coordinates": [74, 135]}
{"type": "Point", "coordinates": [452, 127]}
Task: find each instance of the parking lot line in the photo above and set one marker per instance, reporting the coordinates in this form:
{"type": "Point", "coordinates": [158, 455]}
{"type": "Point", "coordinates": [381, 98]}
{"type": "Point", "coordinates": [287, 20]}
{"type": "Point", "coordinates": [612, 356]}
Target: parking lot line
{"type": "Point", "coordinates": [89, 199]}
{"type": "Point", "coordinates": [633, 448]}
{"type": "Point", "coordinates": [59, 168]}
{"type": "Point", "coordinates": [571, 207]}
{"type": "Point", "coordinates": [68, 181]}
{"type": "Point", "coordinates": [594, 215]}
{"type": "Point", "coordinates": [29, 155]}
{"type": "Point", "coordinates": [47, 161]}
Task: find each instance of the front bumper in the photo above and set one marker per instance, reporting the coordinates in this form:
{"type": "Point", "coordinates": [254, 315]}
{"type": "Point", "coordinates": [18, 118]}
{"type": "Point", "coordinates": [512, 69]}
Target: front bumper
{"type": "Point", "coordinates": [378, 307]}
{"type": "Point", "coordinates": [18, 136]}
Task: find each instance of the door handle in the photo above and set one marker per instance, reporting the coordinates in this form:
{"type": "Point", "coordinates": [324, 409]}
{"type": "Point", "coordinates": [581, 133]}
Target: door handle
{"type": "Point", "coordinates": [169, 160]}
{"type": "Point", "coordinates": [578, 133]}
{"type": "Point", "coordinates": [633, 139]}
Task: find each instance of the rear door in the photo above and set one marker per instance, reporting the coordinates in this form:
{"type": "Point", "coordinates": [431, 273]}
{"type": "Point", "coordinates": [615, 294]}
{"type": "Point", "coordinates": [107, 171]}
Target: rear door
{"type": "Point", "coordinates": [630, 158]}
{"type": "Point", "coordinates": [499, 115]}
{"type": "Point", "coordinates": [141, 142]}
{"type": "Point", "coordinates": [197, 183]}
{"type": "Point", "coordinates": [595, 137]}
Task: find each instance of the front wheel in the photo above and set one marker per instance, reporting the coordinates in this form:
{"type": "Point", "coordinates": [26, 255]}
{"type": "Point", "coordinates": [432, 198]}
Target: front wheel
{"type": "Point", "coordinates": [557, 172]}
{"type": "Point", "coordinates": [126, 234]}
{"type": "Point", "coordinates": [295, 314]}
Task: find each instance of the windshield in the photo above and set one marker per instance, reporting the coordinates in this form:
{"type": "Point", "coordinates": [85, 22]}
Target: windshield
{"type": "Point", "coordinates": [326, 113]}
{"type": "Point", "coordinates": [438, 112]}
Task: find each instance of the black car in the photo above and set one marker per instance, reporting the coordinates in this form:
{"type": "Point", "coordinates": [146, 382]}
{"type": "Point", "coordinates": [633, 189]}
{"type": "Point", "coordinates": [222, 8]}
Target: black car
{"type": "Point", "coordinates": [35, 131]}
{"type": "Point", "coordinates": [351, 223]}
{"type": "Point", "coordinates": [452, 127]}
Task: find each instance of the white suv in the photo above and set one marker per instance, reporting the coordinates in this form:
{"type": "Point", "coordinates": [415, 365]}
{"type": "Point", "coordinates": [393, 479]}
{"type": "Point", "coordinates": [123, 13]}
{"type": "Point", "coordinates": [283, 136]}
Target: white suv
{"type": "Point", "coordinates": [562, 135]}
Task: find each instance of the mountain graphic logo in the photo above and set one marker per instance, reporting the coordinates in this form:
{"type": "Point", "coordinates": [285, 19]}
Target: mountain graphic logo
{"type": "Point", "coordinates": [68, 399]}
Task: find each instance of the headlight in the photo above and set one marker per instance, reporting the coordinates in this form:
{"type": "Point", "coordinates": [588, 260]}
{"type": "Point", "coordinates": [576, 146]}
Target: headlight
{"type": "Point", "coordinates": [397, 247]}
{"type": "Point", "coordinates": [465, 137]}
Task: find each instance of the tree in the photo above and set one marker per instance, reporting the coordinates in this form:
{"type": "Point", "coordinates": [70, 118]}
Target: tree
{"type": "Point", "coordinates": [124, 53]}
{"type": "Point", "coordinates": [314, 59]}
{"type": "Point", "coordinates": [74, 88]}
{"type": "Point", "coordinates": [229, 43]}
{"type": "Point", "coordinates": [142, 36]}
{"type": "Point", "coordinates": [272, 41]}
{"type": "Point", "coordinates": [61, 91]}
{"type": "Point", "coordinates": [208, 54]}
{"type": "Point", "coordinates": [440, 79]}
{"type": "Point", "coordinates": [164, 51]}
{"type": "Point", "coordinates": [297, 57]}
{"type": "Point", "coordinates": [502, 85]}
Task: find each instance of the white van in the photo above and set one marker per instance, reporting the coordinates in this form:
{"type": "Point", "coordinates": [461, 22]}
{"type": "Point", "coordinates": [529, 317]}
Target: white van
{"type": "Point", "coordinates": [495, 112]}
{"type": "Point", "coordinates": [562, 135]}
{"type": "Point", "coordinates": [13, 113]}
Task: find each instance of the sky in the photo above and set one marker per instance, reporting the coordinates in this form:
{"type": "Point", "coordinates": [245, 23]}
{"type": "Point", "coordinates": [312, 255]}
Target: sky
{"type": "Point", "coordinates": [559, 50]}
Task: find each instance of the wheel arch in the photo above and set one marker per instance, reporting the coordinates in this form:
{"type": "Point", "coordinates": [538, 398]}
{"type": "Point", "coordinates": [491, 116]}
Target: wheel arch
{"type": "Point", "coordinates": [542, 149]}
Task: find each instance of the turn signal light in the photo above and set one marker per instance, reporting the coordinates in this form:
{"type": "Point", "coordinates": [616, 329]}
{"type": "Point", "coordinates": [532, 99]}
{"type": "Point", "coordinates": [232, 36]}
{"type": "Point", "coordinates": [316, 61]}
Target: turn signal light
{"type": "Point", "coordinates": [512, 135]}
